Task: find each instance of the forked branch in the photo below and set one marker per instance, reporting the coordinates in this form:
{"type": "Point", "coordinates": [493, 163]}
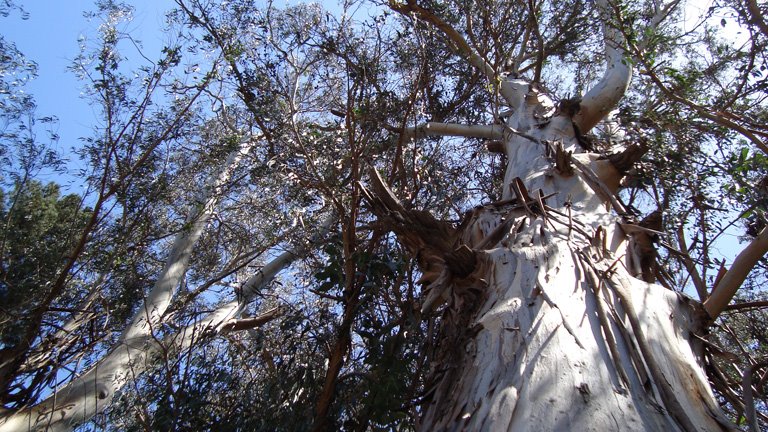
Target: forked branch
{"type": "Point", "coordinates": [92, 392]}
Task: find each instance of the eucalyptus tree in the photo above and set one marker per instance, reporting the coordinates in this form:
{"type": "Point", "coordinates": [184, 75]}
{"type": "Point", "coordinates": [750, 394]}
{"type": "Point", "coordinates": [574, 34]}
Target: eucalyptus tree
{"type": "Point", "coordinates": [551, 317]}
{"type": "Point", "coordinates": [555, 267]}
{"type": "Point", "coordinates": [152, 267]}
{"type": "Point", "coordinates": [159, 170]}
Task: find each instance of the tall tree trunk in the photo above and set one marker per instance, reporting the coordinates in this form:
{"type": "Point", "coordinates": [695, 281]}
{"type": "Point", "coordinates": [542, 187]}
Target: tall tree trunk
{"type": "Point", "coordinates": [546, 326]}
{"type": "Point", "coordinates": [551, 333]}
{"type": "Point", "coordinates": [138, 346]}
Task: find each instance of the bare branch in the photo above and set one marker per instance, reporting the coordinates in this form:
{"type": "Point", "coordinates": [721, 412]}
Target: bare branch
{"type": "Point", "coordinates": [605, 95]}
{"type": "Point", "coordinates": [731, 282]}
{"type": "Point", "coordinates": [749, 404]}
{"type": "Point", "coordinates": [491, 132]}
{"type": "Point", "coordinates": [458, 43]}
{"type": "Point", "coordinates": [250, 323]}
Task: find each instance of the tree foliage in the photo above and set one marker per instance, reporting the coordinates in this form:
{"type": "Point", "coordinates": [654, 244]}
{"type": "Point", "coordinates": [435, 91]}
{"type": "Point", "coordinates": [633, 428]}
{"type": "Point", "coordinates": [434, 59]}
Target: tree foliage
{"type": "Point", "coordinates": [260, 123]}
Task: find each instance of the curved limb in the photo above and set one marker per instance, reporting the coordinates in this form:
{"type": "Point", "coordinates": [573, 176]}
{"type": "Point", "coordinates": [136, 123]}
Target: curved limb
{"type": "Point", "coordinates": [605, 95]}
{"type": "Point", "coordinates": [457, 41]}
{"type": "Point", "coordinates": [734, 277]}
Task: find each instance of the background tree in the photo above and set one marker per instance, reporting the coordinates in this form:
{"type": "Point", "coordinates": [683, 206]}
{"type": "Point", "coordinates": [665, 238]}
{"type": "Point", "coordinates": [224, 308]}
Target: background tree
{"type": "Point", "coordinates": [265, 139]}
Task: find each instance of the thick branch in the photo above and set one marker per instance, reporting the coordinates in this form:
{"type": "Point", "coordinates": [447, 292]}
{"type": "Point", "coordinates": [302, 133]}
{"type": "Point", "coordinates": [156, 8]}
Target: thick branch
{"type": "Point", "coordinates": [159, 298]}
{"type": "Point", "coordinates": [491, 132]}
{"type": "Point", "coordinates": [92, 392]}
{"type": "Point", "coordinates": [255, 283]}
{"type": "Point", "coordinates": [735, 276]}
{"type": "Point", "coordinates": [605, 95]}
{"type": "Point", "coordinates": [458, 43]}
{"type": "Point", "coordinates": [250, 323]}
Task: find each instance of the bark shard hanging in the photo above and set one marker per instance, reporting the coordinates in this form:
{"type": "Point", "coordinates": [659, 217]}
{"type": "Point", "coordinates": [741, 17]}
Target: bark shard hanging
{"type": "Point", "coordinates": [435, 244]}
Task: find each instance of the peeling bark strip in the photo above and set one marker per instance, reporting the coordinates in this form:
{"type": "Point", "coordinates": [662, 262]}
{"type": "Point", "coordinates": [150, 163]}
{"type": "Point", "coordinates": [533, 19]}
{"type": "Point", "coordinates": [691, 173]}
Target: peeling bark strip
{"type": "Point", "coordinates": [437, 246]}
{"type": "Point", "coordinates": [526, 342]}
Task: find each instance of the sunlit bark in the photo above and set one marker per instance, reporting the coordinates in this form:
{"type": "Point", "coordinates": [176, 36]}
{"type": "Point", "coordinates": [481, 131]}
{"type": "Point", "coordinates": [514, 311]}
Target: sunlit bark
{"type": "Point", "coordinates": [605, 95]}
{"type": "Point", "coordinates": [551, 330]}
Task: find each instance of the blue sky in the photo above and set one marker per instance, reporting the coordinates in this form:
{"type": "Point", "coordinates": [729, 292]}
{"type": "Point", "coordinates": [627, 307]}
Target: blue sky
{"type": "Point", "coordinates": [50, 38]}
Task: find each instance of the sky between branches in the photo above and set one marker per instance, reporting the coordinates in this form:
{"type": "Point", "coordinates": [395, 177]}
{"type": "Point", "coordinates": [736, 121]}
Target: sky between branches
{"type": "Point", "coordinates": [54, 31]}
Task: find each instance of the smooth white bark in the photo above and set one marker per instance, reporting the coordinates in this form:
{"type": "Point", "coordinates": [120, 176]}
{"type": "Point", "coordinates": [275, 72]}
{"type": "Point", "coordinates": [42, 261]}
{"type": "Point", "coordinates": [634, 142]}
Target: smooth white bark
{"type": "Point", "coordinates": [91, 392]}
{"type": "Point", "coordinates": [540, 359]}
{"type": "Point", "coordinates": [159, 298]}
{"type": "Point", "coordinates": [551, 333]}
{"type": "Point", "coordinates": [605, 95]}
{"type": "Point", "coordinates": [492, 132]}
{"type": "Point", "coordinates": [735, 276]}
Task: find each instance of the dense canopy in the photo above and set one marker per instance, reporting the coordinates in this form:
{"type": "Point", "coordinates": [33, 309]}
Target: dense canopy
{"type": "Point", "coordinates": [227, 258]}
